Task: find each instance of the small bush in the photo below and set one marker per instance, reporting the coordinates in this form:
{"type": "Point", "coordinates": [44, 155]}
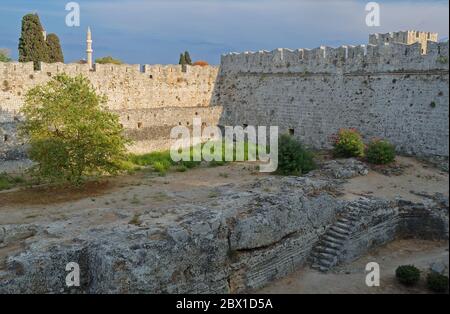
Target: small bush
{"type": "Point", "coordinates": [293, 157]}
{"type": "Point", "coordinates": [348, 143]}
{"type": "Point", "coordinates": [408, 274]}
{"type": "Point", "coordinates": [437, 283]}
{"type": "Point", "coordinates": [380, 152]}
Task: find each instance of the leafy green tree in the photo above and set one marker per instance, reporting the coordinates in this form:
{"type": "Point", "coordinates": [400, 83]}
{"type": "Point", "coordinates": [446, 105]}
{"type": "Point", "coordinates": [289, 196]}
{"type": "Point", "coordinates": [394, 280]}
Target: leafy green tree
{"type": "Point", "coordinates": [4, 55]}
{"type": "Point", "coordinates": [55, 53]}
{"type": "Point", "coordinates": [187, 57]}
{"type": "Point", "coordinates": [32, 44]}
{"type": "Point", "coordinates": [70, 132]}
{"type": "Point", "coordinates": [108, 60]}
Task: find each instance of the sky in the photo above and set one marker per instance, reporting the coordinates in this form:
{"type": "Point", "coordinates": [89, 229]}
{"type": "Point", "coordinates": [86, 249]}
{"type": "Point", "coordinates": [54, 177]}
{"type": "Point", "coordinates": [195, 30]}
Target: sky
{"type": "Point", "coordinates": [157, 31]}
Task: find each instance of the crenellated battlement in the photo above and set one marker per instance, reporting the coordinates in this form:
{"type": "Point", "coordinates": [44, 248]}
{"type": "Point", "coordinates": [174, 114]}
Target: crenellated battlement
{"type": "Point", "coordinates": [14, 68]}
{"type": "Point", "coordinates": [386, 57]}
{"type": "Point", "coordinates": [390, 89]}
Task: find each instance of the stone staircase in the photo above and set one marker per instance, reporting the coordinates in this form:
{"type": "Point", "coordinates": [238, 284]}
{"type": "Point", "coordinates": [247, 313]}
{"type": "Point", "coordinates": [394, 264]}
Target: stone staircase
{"type": "Point", "coordinates": [326, 253]}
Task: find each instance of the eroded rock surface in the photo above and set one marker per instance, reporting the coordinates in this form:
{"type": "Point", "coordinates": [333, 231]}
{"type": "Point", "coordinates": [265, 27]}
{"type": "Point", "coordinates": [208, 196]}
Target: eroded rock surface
{"type": "Point", "coordinates": [248, 236]}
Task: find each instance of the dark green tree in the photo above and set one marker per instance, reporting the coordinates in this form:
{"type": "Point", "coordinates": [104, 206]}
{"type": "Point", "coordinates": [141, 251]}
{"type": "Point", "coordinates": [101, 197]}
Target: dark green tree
{"type": "Point", "coordinates": [187, 57]}
{"type": "Point", "coordinates": [182, 59]}
{"type": "Point", "coordinates": [32, 44]}
{"type": "Point", "coordinates": [54, 49]}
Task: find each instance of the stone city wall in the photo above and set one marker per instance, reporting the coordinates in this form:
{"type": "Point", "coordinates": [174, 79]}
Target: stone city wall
{"type": "Point", "coordinates": [391, 91]}
{"type": "Point", "coordinates": [150, 99]}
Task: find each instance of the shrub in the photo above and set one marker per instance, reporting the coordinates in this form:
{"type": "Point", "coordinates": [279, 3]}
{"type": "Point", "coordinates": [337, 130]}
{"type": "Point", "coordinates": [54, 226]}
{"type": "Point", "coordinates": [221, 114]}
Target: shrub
{"type": "Point", "coordinates": [437, 282]}
{"type": "Point", "coordinates": [108, 60]}
{"type": "Point", "coordinates": [348, 143]}
{"type": "Point", "coordinates": [408, 274]}
{"type": "Point", "coordinates": [70, 132]}
{"type": "Point", "coordinates": [380, 152]}
{"type": "Point", "coordinates": [293, 157]}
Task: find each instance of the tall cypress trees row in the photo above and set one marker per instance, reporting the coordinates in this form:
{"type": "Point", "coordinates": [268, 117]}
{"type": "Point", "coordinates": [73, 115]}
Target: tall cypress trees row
{"type": "Point", "coordinates": [54, 47]}
{"type": "Point", "coordinates": [185, 59]}
{"type": "Point", "coordinates": [33, 46]}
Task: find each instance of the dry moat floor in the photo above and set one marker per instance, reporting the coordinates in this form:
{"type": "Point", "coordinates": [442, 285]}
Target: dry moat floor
{"type": "Point", "coordinates": [143, 190]}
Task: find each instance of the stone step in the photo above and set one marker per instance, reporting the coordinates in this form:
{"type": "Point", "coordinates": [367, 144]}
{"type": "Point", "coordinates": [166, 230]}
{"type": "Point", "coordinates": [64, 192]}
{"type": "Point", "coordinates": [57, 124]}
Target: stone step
{"type": "Point", "coordinates": [333, 245]}
{"type": "Point", "coordinates": [337, 235]}
{"type": "Point", "coordinates": [325, 249]}
{"type": "Point", "coordinates": [326, 263]}
{"type": "Point", "coordinates": [344, 220]}
{"type": "Point", "coordinates": [318, 256]}
{"type": "Point", "coordinates": [340, 230]}
{"type": "Point", "coordinates": [319, 267]}
{"type": "Point", "coordinates": [327, 257]}
{"type": "Point", "coordinates": [343, 225]}
{"type": "Point", "coordinates": [333, 239]}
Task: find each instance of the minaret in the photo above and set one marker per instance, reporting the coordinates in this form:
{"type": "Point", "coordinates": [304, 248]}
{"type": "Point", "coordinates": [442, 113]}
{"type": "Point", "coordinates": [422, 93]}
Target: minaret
{"type": "Point", "coordinates": [89, 49]}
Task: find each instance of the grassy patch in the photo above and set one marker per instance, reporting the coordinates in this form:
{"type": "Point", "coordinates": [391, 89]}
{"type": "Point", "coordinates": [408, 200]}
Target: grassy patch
{"type": "Point", "coordinates": [161, 162]}
{"type": "Point", "coordinates": [9, 181]}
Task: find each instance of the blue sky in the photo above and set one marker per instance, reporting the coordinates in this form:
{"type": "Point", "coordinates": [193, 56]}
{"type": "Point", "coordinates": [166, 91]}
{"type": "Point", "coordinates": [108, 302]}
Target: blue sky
{"type": "Point", "coordinates": [156, 31]}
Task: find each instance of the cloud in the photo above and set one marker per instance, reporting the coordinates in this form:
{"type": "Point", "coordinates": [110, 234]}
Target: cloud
{"type": "Point", "coordinates": [156, 31]}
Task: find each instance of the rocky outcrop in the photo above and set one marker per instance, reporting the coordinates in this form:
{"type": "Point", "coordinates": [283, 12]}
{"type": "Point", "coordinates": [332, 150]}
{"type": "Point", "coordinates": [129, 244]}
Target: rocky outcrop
{"type": "Point", "coordinates": [248, 237]}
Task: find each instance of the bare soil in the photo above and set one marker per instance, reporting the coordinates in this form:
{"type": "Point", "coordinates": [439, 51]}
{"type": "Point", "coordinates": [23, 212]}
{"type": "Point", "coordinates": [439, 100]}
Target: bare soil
{"type": "Point", "coordinates": [131, 193]}
{"type": "Point", "coordinates": [350, 278]}
{"type": "Point", "coordinates": [417, 177]}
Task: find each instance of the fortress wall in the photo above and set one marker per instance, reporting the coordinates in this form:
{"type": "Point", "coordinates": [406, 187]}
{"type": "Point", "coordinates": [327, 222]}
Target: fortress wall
{"type": "Point", "coordinates": [391, 91]}
{"type": "Point", "coordinates": [129, 88]}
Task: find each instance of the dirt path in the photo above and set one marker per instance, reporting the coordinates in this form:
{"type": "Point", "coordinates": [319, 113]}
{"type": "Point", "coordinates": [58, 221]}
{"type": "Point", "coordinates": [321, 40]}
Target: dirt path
{"type": "Point", "coordinates": [417, 177]}
{"type": "Point", "coordinates": [350, 279]}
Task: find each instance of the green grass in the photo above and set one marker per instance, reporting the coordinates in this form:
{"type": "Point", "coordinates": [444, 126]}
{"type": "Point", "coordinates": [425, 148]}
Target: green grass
{"type": "Point", "coordinates": [161, 162]}
{"type": "Point", "coordinates": [9, 181]}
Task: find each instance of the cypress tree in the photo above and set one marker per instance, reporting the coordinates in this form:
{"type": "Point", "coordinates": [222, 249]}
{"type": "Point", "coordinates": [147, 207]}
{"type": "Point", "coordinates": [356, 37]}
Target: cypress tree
{"type": "Point", "coordinates": [182, 59]}
{"type": "Point", "coordinates": [32, 45]}
{"type": "Point", "coordinates": [54, 49]}
{"type": "Point", "coordinates": [187, 57]}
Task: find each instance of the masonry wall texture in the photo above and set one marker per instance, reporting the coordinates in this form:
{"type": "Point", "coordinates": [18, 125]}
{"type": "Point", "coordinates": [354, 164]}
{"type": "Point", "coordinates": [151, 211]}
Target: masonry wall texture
{"type": "Point", "coordinates": [150, 102]}
{"type": "Point", "coordinates": [389, 90]}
